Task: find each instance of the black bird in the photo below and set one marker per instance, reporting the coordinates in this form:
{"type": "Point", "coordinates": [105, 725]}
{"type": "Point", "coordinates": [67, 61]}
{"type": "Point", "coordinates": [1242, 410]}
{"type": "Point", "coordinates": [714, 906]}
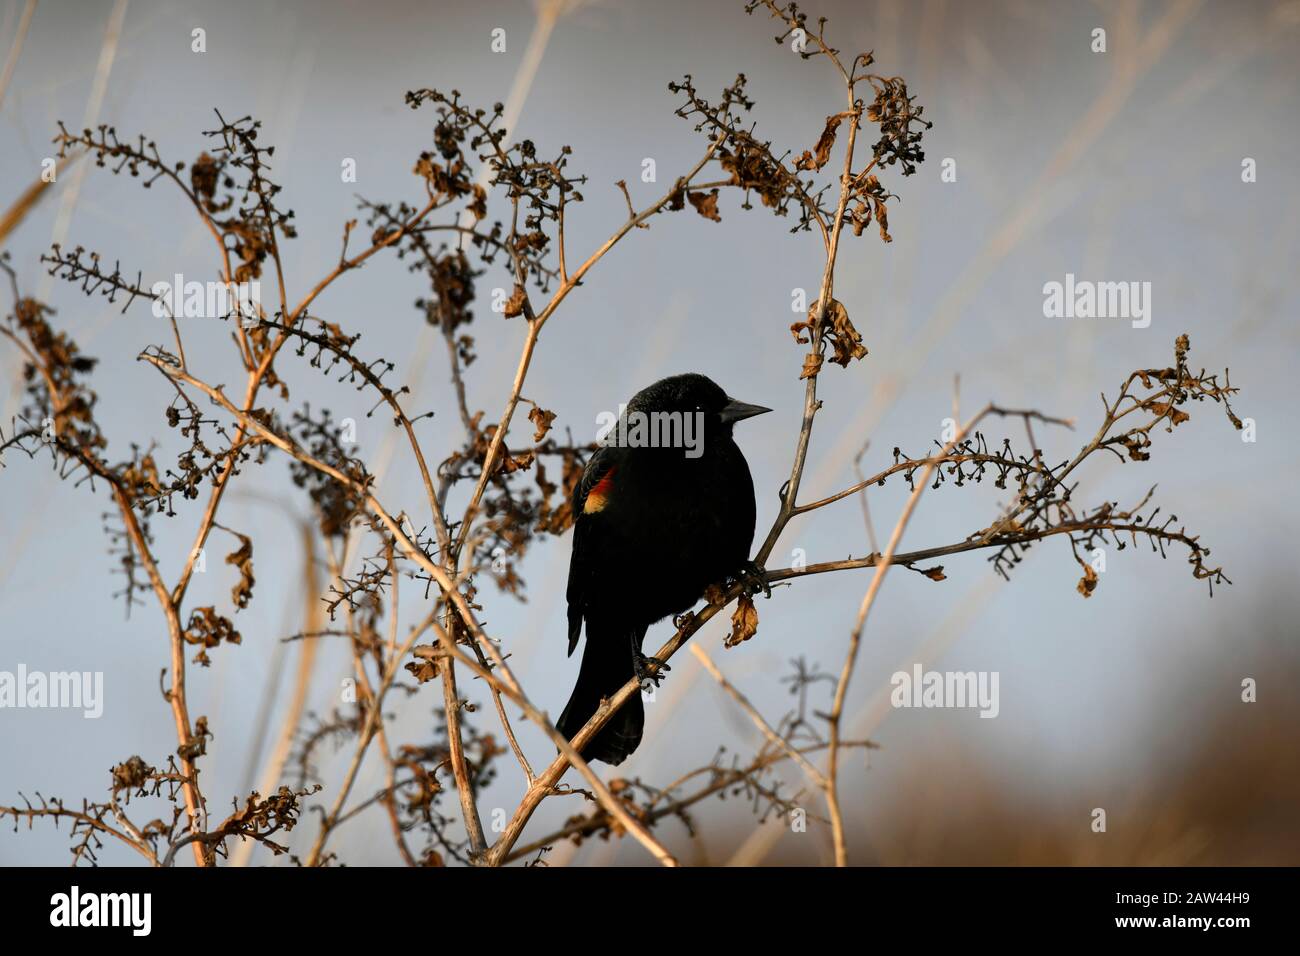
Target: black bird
{"type": "Point", "coordinates": [656, 522]}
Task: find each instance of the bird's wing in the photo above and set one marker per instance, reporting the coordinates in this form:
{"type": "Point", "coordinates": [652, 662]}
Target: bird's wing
{"type": "Point", "coordinates": [588, 500]}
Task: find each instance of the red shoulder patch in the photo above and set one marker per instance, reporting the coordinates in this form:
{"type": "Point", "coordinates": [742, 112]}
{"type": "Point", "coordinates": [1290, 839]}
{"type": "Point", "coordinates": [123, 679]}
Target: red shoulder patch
{"type": "Point", "coordinates": [598, 497]}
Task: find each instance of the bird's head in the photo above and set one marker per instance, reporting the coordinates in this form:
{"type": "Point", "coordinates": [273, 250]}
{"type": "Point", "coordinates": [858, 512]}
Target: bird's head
{"type": "Point", "coordinates": [695, 394]}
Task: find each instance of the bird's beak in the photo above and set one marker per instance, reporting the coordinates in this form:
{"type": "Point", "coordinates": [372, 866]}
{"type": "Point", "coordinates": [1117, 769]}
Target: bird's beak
{"type": "Point", "coordinates": [735, 411]}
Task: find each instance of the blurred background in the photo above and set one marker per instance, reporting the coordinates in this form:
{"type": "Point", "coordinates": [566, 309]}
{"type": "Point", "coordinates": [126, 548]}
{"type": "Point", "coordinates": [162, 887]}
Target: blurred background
{"type": "Point", "coordinates": [1118, 166]}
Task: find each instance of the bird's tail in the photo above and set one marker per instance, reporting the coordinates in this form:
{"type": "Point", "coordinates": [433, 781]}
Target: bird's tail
{"type": "Point", "coordinates": [606, 667]}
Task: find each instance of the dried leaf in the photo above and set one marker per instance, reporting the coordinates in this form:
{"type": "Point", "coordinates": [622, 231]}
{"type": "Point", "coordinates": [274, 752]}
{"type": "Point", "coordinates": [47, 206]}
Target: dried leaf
{"type": "Point", "coordinates": [542, 419]}
{"type": "Point", "coordinates": [423, 670]}
{"type": "Point", "coordinates": [208, 629]}
{"type": "Point", "coordinates": [744, 622]}
{"type": "Point", "coordinates": [812, 364]}
{"type": "Point", "coordinates": [844, 338]}
{"type": "Point", "coordinates": [425, 665]}
{"type": "Point", "coordinates": [1176, 415]}
{"type": "Point", "coordinates": [515, 304]}
{"type": "Point", "coordinates": [479, 206]}
{"type": "Point", "coordinates": [1088, 583]}
{"type": "Point", "coordinates": [242, 592]}
{"type": "Point", "coordinates": [882, 220]}
{"type": "Point", "coordinates": [706, 204]}
{"type": "Point", "coordinates": [823, 148]}
{"type": "Point", "coordinates": [837, 329]}
{"type": "Point", "coordinates": [512, 463]}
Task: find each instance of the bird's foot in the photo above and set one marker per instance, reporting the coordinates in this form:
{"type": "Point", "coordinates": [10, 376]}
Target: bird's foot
{"type": "Point", "coordinates": [642, 667]}
{"type": "Point", "coordinates": [753, 579]}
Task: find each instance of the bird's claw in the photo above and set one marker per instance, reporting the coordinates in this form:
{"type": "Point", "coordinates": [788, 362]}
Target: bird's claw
{"type": "Point", "coordinates": [753, 579]}
{"type": "Point", "coordinates": [641, 665]}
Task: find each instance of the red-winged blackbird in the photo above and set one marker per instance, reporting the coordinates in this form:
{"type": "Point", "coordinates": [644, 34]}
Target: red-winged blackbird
{"type": "Point", "coordinates": [665, 508]}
